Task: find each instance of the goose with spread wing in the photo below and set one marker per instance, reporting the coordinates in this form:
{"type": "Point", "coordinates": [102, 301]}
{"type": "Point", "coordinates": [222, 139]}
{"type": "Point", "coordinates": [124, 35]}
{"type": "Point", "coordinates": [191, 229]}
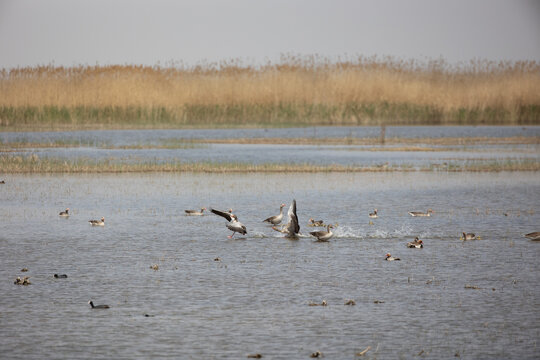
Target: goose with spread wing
{"type": "Point", "coordinates": [276, 219]}
{"type": "Point", "coordinates": [292, 228]}
{"type": "Point", "coordinates": [234, 225]}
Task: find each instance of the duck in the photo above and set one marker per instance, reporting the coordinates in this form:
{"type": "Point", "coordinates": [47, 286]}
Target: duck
{"type": "Point", "coordinates": [24, 269]}
{"type": "Point", "coordinates": [419, 213]}
{"type": "Point", "coordinates": [64, 213]}
{"type": "Point", "coordinates": [2, 182]}
{"type": "Point", "coordinates": [350, 302]}
{"type": "Point", "coordinates": [195, 212]}
{"type": "Point", "coordinates": [98, 306]}
{"type": "Point", "coordinates": [390, 258]}
{"type": "Point", "coordinates": [24, 281]}
{"type": "Point", "coordinates": [535, 236]}
{"type": "Point", "coordinates": [416, 243]}
{"type": "Point", "coordinates": [60, 276]}
{"type": "Point", "coordinates": [97, 222]}
{"type": "Point", "coordinates": [323, 235]}
{"type": "Point", "coordinates": [316, 223]}
{"type": "Point", "coordinates": [154, 267]}
{"type": "Point", "coordinates": [323, 303]}
{"type": "Point", "coordinates": [254, 356]}
{"type": "Point", "coordinates": [469, 236]}
{"type": "Point", "coordinates": [292, 228]}
{"type": "Point", "coordinates": [374, 215]}
{"type": "Point", "coordinates": [276, 219]}
{"type": "Point", "coordinates": [316, 354]}
{"type": "Point", "coordinates": [234, 225]}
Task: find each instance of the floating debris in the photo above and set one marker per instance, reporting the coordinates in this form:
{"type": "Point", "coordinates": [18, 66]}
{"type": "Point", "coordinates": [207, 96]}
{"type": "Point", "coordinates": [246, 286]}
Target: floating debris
{"type": "Point", "coordinates": [60, 276]}
{"type": "Point", "coordinates": [471, 287]}
{"type": "Point", "coordinates": [378, 302]}
{"type": "Point", "coordinates": [323, 303]}
{"type": "Point", "coordinates": [363, 352]}
{"type": "Point", "coordinates": [254, 356]}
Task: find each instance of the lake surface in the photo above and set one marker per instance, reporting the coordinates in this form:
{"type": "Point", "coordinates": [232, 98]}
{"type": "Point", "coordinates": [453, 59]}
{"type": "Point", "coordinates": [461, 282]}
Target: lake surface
{"type": "Point", "coordinates": [94, 146]}
{"type": "Point", "coordinates": [255, 299]}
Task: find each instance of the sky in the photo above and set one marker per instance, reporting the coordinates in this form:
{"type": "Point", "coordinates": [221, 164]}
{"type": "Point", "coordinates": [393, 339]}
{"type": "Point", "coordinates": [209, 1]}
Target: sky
{"type": "Point", "coordinates": [75, 32]}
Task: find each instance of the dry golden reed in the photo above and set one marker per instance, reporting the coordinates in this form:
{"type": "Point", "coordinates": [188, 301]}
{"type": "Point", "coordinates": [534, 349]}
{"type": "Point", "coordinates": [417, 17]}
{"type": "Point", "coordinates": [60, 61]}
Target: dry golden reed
{"type": "Point", "coordinates": [351, 91]}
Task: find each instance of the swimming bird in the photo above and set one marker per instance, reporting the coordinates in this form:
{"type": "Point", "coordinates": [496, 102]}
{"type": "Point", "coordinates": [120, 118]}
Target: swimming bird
{"type": "Point", "coordinates": [234, 225]}
{"type": "Point", "coordinates": [390, 258]}
{"type": "Point", "coordinates": [416, 243]}
{"type": "Point", "coordinates": [24, 281]}
{"type": "Point", "coordinates": [98, 306]}
{"type": "Point", "coordinates": [97, 222]}
{"type": "Point", "coordinates": [535, 236]}
{"type": "Point", "coordinates": [292, 228]}
{"type": "Point", "coordinates": [323, 235]}
{"type": "Point", "coordinates": [468, 236]}
{"type": "Point", "coordinates": [316, 223]}
{"type": "Point", "coordinates": [195, 212]}
{"type": "Point", "coordinates": [2, 182]}
{"type": "Point", "coordinates": [64, 213]}
{"type": "Point", "coordinates": [276, 219]}
{"type": "Point", "coordinates": [61, 276]}
{"type": "Point", "coordinates": [374, 215]}
{"type": "Point", "coordinates": [419, 213]}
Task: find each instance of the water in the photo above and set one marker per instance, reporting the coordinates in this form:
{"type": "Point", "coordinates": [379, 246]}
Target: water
{"type": "Point", "coordinates": [255, 299]}
{"type": "Point", "coordinates": [347, 155]}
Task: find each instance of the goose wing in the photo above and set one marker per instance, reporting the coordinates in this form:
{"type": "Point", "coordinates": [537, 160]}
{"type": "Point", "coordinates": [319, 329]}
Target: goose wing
{"type": "Point", "coordinates": [226, 215]}
{"type": "Point", "coordinates": [292, 226]}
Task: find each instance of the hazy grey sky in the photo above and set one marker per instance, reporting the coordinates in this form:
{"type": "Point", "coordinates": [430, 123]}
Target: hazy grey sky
{"type": "Point", "coordinates": [71, 32]}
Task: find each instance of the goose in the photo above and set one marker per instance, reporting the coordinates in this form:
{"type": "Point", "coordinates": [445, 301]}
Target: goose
{"type": "Point", "coordinates": [61, 276]}
{"type": "Point", "coordinates": [234, 225]}
{"type": "Point", "coordinates": [276, 219]}
{"type": "Point", "coordinates": [98, 306]}
{"type": "Point", "coordinates": [468, 236]}
{"type": "Point", "coordinates": [419, 213]}
{"type": "Point", "coordinates": [390, 258]}
{"type": "Point", "coordinates": [416, 243]}
{"type": "Point", "coordinates": [97, 222]}
{"type": "Point", "coordinates": [195, 212]}
{"type": "Point", "coordinates": [374, 215]}
{"type": "Point", "coordinates": [292, 228]}
{"type": "Point", "coordinates": [64, 213]}
{"type": "Point", "coordinates": [535, 236]}
{"type": "Point", "coordinates": [323, 235]}
{"type": "Point", "coordinates": [316, 223]}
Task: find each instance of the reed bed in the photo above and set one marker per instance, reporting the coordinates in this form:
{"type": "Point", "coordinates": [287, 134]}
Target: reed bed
{"type": "Point", "coordinates": [34, 164]}
{"type": "Point", "coordinates": [293, 92]}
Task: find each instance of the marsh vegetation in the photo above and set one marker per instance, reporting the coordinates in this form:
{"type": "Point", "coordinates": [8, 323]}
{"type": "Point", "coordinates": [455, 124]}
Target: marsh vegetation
{"type": "Point", "coordinates": [297, 91]}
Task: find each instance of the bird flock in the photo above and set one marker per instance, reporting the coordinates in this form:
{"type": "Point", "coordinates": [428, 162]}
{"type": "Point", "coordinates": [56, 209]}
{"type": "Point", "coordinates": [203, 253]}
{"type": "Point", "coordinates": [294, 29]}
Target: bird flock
{"type": "Point", "coordinates": [291, 230]}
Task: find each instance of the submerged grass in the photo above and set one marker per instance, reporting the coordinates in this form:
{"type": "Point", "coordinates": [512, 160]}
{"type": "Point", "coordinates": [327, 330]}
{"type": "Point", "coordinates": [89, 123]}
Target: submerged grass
{"type": "Point", "coordinates": [297, 91]}
{"type": "Point", "coordinates": [35, 164]}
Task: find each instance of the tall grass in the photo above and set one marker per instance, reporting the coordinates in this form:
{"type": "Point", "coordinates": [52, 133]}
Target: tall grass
{"type": "Point", "coordinates": [294, 91]}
